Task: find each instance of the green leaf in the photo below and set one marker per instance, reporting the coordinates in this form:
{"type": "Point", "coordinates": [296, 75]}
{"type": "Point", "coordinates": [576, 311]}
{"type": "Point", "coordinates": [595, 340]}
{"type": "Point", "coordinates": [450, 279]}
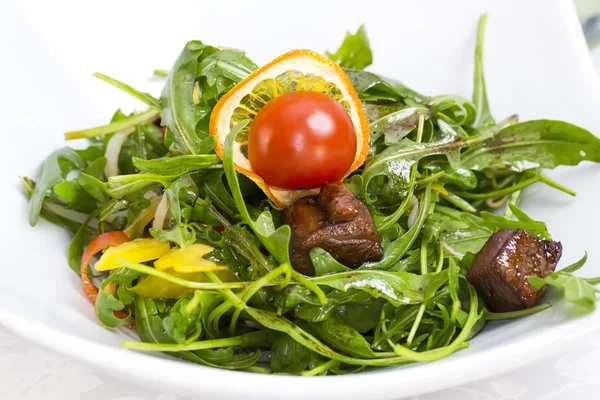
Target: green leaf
{"type": "Point", "coordinates": [396, 125]}
{"type": "Point", "coordinates": [397, 161]}
{"type": "Point", "coordinates": [373, 87]}
{"type": "Point", "coordinates": [181, 196]}
{"type": "Point", "coordinates": [575, 290]}
{"type": "Point", "coordinates": [148, 321]}
{"type": "Point", "coordinates": [120, 125]}
{"type": "Point", "coordinates": [535, 144]}
{"type": "Point", "coordinates": [219, 195]}
{"type": "Point", "coordinates": [576, 265]}
{"type": "Point", "coordinates": [106, 305]}
{"type": "Point", "coordinates": [394, 251]}
{"type": "Point", "coordinates": [289, 356]}
{"type": "Point", "coordinates": [76, 247]}
{"type": "Point", "coordinates": [325, 264]}
{"type": "Point", "coordinates": [343, 337]}
{"type": "Point", "coordinates": [454, 110]}
{"type": "Point", "coordinates": [483, 118]}
{"type": "Point", "coordinates": [92, 186]}
{"type": "Point", "coordinates": [215, 72]}
{"type": "Point", "coordinates": [125, 185]}
{"type": "Point", "coordinates": [396, 287]}
{"type": "Point", "coordinates": [467, 233]}
{"type": "Point", "coordinates": [177, 165]}
{"type": "Point", "coordinates": [53, 171]}
{"type": "Point", "coordinates": [144, 97]}
{"type": "Point", "coordinates": [183, 316]}
{"type": "Point", "coordinates": [354, 52]}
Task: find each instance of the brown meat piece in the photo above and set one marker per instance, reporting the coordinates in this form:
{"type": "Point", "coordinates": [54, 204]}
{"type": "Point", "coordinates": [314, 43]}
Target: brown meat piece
{"type": "Point", "coordinates": [500, 270]}
{"type": "Point", "coordinates": [336, 221]}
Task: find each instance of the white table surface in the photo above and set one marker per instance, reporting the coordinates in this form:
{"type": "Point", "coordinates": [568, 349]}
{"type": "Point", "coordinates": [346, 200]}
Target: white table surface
{"type": "Point", "coordinates": [29, 372]}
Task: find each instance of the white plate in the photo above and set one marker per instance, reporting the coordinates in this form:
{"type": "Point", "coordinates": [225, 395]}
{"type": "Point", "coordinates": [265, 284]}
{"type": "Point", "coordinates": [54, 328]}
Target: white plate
{"type": "Point", "coordinates": [537, 65]}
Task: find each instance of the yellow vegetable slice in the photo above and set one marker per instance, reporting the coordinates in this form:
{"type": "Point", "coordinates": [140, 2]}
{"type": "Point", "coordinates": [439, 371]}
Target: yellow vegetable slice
{"type": "Point", "coordinates": [153, 287]}
{"type": "Point", "coordinates": [139, 250]}
{"type": "Point", "coordinates": [188, 260]}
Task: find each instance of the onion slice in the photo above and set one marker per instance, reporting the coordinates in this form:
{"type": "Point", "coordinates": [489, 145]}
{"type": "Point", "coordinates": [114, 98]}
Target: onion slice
{"type": "Point", "coordinates": [160, 214]}
{"type": "Point", "coordinates": [113, 149]}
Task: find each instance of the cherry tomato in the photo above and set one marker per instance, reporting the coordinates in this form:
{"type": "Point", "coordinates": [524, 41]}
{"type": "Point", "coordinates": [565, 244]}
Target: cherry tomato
{"type": "Point", "coordinates": [301, 140]}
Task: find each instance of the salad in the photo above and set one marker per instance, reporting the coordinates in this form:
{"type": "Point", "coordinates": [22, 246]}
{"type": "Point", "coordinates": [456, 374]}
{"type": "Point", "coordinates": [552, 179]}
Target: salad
{"type": "Point", "coordinates": [309, 217]}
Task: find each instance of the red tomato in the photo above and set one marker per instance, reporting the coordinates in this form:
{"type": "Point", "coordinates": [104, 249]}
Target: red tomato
{"type": "Point", "coordinates": [301, 140]}
{"type": "Point", "coordinates": [96, 245]}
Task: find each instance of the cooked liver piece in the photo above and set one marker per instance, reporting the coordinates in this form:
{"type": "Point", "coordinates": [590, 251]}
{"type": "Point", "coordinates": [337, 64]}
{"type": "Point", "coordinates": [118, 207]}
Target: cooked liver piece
{"type": "Point", "coordinates": [500, 270]}
{"type": "Point", "coordinates": [336, 221]}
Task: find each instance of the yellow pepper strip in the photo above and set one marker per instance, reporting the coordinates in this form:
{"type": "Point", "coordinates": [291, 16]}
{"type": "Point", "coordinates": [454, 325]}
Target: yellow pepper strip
{"type": "Point", "coordinates": [153, 287]}
{"type": "Point", "coordinates": [439, 188]}
{"type": "Point", "coordinates": [139, 250]}
{"type": "Point", "coordinates": [188, 260]}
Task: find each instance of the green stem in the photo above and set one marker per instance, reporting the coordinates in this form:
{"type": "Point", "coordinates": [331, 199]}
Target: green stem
{"type": "Point", "coordinates": [440, 251]}
{"type": "Point", "coordinates": [125, 123]}
{"type": "Point", "coordinates": [202, 345]}
{"type": "Point", "coordinates": [313, 287]}
{"type": "Point", "coordinates": [415, 326]}
{"type": "Point", "coordinates": [391, 219]}
{"type": "Point", "coordinates": [326, 366]}
{"type": "Point", "coordinates": [163, 73]}
{"type": "Point", "coordinates": [556, 185]}
{"type": "Point", "coordinates": [251, 290]}
{"type": "Point", "coordinates": [144, 269]}
{"type": "Point", "coordinates": [458, 343]}
{"type": "Point", "coordinates": [501, 192]}
{"type": "Point", "coordinates": [492, 316]}
{"type": "Point", "coordinates": [459, 202]}
{"type": "Point", "coordinates": [426, 181]}
{"type": "Point", "coordinates": [143, 97]}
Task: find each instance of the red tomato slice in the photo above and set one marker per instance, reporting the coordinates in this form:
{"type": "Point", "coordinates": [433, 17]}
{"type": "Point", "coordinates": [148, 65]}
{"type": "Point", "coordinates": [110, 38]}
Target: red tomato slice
{"type": "Point", "coordinates": [301, 140]}
{"type": "Point", "coordinates": [96, 245]}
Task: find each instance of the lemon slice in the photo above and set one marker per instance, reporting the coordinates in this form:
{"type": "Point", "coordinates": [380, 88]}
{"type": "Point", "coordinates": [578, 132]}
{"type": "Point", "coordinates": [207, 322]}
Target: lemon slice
{"type": "Point", "coordinates": [297, 70]}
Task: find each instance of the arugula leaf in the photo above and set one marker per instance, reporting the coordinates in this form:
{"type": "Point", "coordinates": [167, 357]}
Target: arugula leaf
{"type": "Point", "coordinates": [396, 162]}
{"type": "Point", "coordinates": [454, 110]}
{"type": "Point", "coordinates": [120, 281]}
{"type": "Point", "coordinates": [354, 52]}
{"type": "Point", "coordinates": [181, 197]}
{"type": "Point", "coordinates": [53, 171]}
{"type": "Point", "coordinates": [396, 287]}
{"type": "Point", "coordinates": [325, 264]}
{"type": "Point", "coordinates": [177, 165]}
{"type": "Point", "coordinates": [289, 356]}
{"type": "Point", "coordinates": [467, 233]}
{"type": "Point", "coordinates": [215, 71]}
{"type": "Point", "coordinates": [342, 337]}
{"type": "Point", "coordinates": [534, 144]}
{"type": "Point", "coordinates": [126, 185]}
{"type": "Point", "coordinates": [184, 316]}
{"type": "Point", "coordinates": [579, 291]}
{"type": "Point", "coordinates": [574, 289]}
{"type": "Point", "coordinates": [373, 87]}
{"type": "Point", "coordinates": [395, 126]}
{"type": "Point", "coordinates": [121, 125]}
{"type": "Point", "coordinates": [483, 117]}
